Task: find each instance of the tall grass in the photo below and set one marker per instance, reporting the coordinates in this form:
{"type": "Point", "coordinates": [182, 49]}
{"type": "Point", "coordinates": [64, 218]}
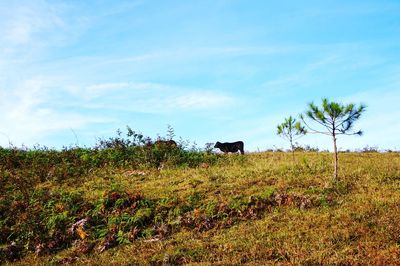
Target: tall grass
{"type": "Point", "coordinates": [135, 202]}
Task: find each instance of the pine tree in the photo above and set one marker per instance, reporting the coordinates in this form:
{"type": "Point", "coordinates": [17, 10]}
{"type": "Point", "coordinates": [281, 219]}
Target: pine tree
{"type": "Point", "coordinates": [291, 130]}
{"type": "Point", "coordinates": [335, 119]}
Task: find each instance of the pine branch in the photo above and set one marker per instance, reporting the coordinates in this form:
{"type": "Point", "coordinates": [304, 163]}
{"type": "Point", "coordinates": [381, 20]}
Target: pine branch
{"type": "Point", "coordinates": [313, 131]}
{"type": "Point", "coordinates": [319, 122]}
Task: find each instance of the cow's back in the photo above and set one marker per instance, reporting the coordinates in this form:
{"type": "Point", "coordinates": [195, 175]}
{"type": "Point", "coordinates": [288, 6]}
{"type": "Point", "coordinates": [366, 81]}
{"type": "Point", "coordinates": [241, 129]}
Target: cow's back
{"type": "Point", "coordinates": [231, 146]}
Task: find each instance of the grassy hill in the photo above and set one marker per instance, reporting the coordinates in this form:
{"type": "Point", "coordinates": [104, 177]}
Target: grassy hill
{"type": "Point", "coordinates": [170, 206]}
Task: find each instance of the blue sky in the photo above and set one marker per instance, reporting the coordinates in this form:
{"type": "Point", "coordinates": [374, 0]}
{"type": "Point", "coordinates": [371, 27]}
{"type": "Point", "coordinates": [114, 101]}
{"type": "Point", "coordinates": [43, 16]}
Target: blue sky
{"type": "Point", "coordinates": [218, 70]}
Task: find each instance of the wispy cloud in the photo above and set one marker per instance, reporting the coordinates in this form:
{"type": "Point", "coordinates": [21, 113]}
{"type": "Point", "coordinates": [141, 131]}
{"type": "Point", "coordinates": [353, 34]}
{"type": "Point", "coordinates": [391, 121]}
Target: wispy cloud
{"type": "Point", "coordinates": [178, 102]}
{"type": "Point", "coordinates": [93, 67]}
{"type": "Point", "coordinates": [29, 27]}
{"type": "Point", "coordinates": [333, 61]}
{"type": "Point", "coordinates": [33, 110]}
{"type": "Point", "coordinates": [28, 102]}
{"type": "Point", "coordinates": [149, 97]}
{"type": "Point", "coordinates": [29, 115]}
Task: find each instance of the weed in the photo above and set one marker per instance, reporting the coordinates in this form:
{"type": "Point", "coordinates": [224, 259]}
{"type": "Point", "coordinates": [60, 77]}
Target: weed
{"type": "Point", "coordinates": [73, 205]}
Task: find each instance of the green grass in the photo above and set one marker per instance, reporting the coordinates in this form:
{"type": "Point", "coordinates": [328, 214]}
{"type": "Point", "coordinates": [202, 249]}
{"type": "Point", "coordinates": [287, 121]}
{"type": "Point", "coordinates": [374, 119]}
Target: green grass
{"type": "Point", "coordinates": [203, 209]}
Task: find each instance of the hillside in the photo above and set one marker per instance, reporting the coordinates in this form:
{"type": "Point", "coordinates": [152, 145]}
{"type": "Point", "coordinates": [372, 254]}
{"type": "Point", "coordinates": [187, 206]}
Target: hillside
{"type": "Point", "coordinates": [200, 209]}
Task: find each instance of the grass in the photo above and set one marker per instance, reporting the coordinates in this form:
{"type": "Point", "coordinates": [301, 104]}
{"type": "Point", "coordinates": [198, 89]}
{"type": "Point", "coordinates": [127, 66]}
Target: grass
{"type": "Point", "coordinates": [256, 209]}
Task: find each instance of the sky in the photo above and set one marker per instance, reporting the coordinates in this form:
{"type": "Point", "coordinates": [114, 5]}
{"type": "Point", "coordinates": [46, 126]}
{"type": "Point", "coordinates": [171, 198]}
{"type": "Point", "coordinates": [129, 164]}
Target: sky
{"type": "Point", "coordinates": [74, 71]}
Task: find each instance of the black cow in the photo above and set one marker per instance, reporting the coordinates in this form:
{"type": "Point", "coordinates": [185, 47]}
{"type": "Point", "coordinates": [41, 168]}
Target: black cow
{"type": "Point", "coordinates": [230, 146]}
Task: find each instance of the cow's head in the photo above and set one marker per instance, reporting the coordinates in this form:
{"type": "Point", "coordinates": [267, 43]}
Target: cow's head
{"type": "Point", "coordinates": [217, 145]}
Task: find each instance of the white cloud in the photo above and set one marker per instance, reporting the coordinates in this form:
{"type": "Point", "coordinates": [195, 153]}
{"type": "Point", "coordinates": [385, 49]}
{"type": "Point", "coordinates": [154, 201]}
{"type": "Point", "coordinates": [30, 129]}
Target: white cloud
{"type": "Point", "coordinates": [335, 59]}
{"type": "Point", "coordinates": [39, 107]}
{"type": "Point", "coordinates": [197, 100]}
{"type": "Point", "coordinates": [23, 24]}
{"type": "Point", "coordinates": [147, 97]}
{"type": "Point", "coordinates": [135, 86]}
{"type": "Point", "coordinates": [178, 55]}
{"type": "Point", "coordinates": [29, 113]}
{"type": "Point", "coordinates": [27, 98]}
{"type": "Point", "coordinates": [101, 86]}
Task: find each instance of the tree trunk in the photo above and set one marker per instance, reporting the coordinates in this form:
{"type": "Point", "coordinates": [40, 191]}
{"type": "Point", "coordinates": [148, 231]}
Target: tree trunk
{"type": "Point", "coordinates": [335, 156]}
{"type": "Point", "coordinates": [292, 147]}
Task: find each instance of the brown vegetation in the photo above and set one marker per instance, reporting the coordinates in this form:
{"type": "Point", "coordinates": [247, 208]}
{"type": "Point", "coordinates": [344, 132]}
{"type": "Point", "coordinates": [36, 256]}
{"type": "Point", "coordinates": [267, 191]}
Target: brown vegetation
{"type": "Point", "coordinates": [254, 209]}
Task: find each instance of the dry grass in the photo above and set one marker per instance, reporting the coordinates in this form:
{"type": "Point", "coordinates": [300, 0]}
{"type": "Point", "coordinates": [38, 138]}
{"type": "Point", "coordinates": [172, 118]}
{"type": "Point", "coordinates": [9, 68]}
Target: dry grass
{"type": "Point", "coordinates": [353, 222]}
